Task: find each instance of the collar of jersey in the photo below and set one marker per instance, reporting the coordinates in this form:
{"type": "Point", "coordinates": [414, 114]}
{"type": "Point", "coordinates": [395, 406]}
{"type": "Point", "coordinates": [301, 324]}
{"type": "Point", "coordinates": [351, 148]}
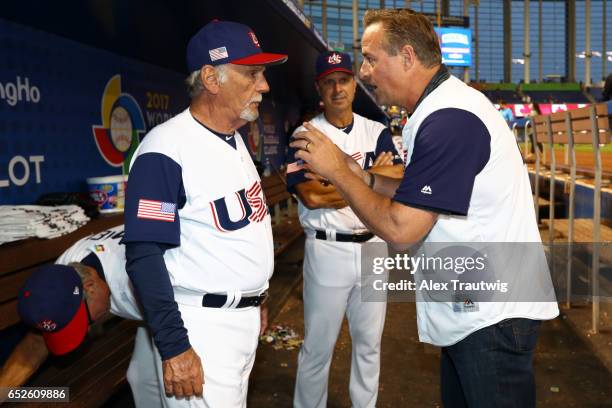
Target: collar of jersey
{"type": "Point", "coordinates": [440, 76]}
{"type": "Point", "coordinates": [229, 139]}
{"type": "Point", "coordinates": [346, 129]}
{"type": "Point", "coordinates": [93, 261]}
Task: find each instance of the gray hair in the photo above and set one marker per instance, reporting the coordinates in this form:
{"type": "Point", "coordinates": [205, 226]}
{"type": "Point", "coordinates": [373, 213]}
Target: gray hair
{"type": "Point", "coordinates": [83, 271]}
{"type": "Point", "coordinates": [194, 80]}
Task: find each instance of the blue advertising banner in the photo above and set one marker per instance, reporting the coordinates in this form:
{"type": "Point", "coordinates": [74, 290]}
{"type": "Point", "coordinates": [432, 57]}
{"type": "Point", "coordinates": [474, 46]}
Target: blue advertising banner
{"type": "Point", "coordinates": [456, 45]}
{"type": "Point", "coordinates": [69, 111]}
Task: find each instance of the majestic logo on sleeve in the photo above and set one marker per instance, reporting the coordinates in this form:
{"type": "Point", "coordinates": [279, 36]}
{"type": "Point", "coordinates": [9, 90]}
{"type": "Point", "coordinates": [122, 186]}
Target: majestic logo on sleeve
{"type": "Point", "coordinates": [122, 125]}
{"type": "Point", "coordinates": [253, 207]}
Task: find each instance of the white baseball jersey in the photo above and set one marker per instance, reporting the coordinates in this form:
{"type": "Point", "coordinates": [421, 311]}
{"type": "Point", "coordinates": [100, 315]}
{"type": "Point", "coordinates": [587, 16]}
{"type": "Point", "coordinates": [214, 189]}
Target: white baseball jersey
{"type": "Point", "coordinates": [105, 246]}
{"type": "Point", "coordinates": [199, 192]}
{"type": "Point", "coordinates": [363, 141]}
{"type": "Point", "coordinates": [463, 163]}
{"type": "Point", "coordinates": [141, 374]}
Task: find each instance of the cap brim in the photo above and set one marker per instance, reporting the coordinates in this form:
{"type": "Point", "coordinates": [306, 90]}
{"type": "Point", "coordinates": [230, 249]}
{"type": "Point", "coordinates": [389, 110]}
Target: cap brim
{"type": "Point", "coordinates": [70, 336]}
{"type": "Point", "coordinates": [263, 58]}
{"type": "Point", "coordinates": [331, 70]}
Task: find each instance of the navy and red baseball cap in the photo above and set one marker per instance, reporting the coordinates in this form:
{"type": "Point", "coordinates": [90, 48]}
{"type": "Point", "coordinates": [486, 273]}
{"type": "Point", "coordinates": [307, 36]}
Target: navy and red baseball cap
{"type": "Point", "coordinates": [227, 42]}
{"type": "Point", "coordinates": [52, 301]}
{"type": "Point", "coordinates": [333, 61]}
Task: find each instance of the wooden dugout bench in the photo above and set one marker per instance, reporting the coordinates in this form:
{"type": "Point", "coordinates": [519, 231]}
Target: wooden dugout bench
{"type": "Point", "coordinates": [588, 126]}
{"type": "Point", "coordinates": [548, 130]}
{"type": "Point", "coordinates": [585, 126]}
{"type": "Point", "coordinates": [97, 370]}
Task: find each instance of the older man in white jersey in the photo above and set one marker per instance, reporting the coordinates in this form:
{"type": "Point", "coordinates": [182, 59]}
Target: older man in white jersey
{"type": "Point", "coordinates": [198, 233]}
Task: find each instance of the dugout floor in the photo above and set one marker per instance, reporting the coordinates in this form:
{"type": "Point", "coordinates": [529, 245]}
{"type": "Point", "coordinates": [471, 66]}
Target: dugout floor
{"type": "Point", "coordinates": [567, 373]}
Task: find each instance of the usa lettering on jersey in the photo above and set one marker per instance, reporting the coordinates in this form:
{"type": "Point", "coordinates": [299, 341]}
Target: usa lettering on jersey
{"type": "Point", "coordinates": [252, 202]}
{"type": "Point", "coordinates": [257, 202]}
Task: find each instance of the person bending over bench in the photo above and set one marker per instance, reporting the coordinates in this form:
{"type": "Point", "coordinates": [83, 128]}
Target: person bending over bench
{"type": "Point", "coordinates": [62, 301]}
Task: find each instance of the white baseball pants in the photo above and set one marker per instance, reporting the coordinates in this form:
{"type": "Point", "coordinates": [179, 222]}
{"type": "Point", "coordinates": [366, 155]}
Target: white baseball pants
{"type": "Point", "coordinates": [331, 290]}
{"type": "Point", "coordinates": [142, 373]}
{"type": "Point", "coordinates": [226, 341]}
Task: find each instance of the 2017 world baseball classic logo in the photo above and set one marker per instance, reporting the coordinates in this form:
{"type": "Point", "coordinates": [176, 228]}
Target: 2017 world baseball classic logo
{"type": "Point", "coordinates": [122, 125]}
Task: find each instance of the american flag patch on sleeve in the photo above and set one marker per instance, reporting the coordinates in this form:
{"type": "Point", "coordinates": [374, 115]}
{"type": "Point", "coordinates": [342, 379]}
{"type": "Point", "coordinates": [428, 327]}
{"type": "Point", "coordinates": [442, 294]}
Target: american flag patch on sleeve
{"type": "Point", "coordinates": [295, 166]}
{"type": "Point", "coordinates": [156, 210]}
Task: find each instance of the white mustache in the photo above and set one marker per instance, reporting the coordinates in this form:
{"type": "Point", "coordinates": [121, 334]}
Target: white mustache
{"type": "Point", "coordinates": [257, 98]}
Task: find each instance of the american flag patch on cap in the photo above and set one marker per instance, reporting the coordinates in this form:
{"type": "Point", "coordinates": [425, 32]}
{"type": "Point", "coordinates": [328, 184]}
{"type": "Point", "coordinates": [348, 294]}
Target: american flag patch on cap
{"type": "Point", "coordinates": [218, 53]}
{"type": "Point", "coordinates": [156, 210]}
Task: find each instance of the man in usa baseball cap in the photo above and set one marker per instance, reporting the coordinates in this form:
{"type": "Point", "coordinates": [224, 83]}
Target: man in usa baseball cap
{"type": "Point", "coordinates": [227, 42]}
{"type": "Point", "coordinates": [53, 300]}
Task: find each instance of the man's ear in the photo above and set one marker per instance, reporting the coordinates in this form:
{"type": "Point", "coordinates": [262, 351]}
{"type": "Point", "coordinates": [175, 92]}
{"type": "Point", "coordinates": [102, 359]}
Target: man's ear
{"type": "Point", "coordinates": [408, 56]}
{"type": "Point", "coordinates": [89, 286]}
{"type": "Point", "coordinates": [317, 87]}
{"type": "Point", "coordinates": [210, 79]}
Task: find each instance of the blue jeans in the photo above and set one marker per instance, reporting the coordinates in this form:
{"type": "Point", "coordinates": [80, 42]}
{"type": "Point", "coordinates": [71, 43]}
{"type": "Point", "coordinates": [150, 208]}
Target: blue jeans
{"type": "Point", "coordinates": [492, 367]}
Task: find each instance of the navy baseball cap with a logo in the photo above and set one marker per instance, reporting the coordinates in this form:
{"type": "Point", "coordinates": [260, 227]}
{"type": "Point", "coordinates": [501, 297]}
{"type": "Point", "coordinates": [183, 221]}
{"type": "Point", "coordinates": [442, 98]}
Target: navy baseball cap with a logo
{"type": "Point", "coordinates": [226, 42]}
{"type": "Point", "coordinates": [52, 300]}
{"type": "Point", "coordinates": [333, 61]}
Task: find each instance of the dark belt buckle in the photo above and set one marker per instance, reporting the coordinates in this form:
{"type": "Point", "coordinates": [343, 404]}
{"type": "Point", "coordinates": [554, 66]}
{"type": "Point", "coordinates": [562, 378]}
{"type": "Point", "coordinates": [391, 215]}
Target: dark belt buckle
{"type": "Point", "coordinates": [360, 238]}
{"type": "Point", "coordinates": [341, 237]}
{"type": "Point", "coordinates": [213, 300]}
